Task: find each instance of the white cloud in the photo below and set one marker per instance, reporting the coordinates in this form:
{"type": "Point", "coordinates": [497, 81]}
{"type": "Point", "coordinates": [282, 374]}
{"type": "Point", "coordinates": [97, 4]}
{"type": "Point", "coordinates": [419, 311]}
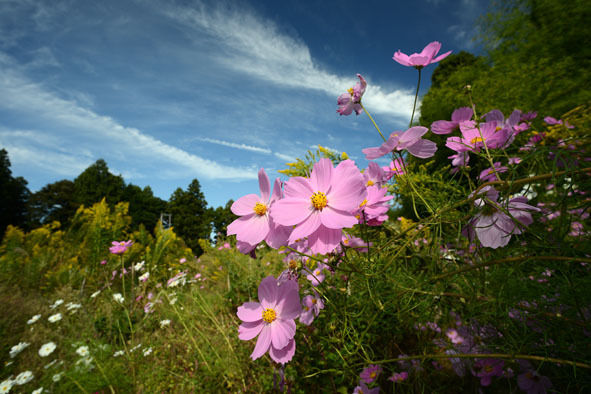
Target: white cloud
{"type": "Point", "coordinates": [255, 46]}
{"type": "Point", "coordinates": [236, 146]}
{"type": "Point", "coordinates": [80, 128]}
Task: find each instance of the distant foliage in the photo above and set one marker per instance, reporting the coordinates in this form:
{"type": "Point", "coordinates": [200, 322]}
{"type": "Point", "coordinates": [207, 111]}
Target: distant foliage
{"type": "Point", "coordinates": [13, 195]}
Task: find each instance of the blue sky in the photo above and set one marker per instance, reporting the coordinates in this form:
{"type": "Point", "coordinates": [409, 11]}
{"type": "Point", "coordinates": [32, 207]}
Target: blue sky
{"type": "Point", "coordinates": [168, 91]}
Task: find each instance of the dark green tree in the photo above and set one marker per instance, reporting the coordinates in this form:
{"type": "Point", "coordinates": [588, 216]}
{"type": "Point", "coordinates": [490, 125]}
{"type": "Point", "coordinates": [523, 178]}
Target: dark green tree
{"type": "Point", "coordinates": [144, 207]}
{"type": "Point", "coordinates": [221, 218]}
{"type": "Point", "coordinates": [190, 217]}
{"type": "Point", "coordinates": [54, 201]}
{"type": "Point", "coordinates": [13, 196]}
{"type": "Point", "coordinates": [96, 183]}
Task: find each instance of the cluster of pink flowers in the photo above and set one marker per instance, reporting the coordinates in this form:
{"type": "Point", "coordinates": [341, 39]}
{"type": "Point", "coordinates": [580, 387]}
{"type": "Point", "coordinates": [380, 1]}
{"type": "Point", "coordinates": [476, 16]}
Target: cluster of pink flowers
{"type": "Point", "coordinates": [120, 247]}
{"type": "Point", "coordinates": [316, 209]}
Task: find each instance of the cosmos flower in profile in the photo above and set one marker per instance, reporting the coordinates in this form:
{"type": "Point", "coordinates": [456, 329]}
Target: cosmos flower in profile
{"type": "Point", "coordinates": [420, 60]}
{"type": "Point", "coordinates": [351, 100]}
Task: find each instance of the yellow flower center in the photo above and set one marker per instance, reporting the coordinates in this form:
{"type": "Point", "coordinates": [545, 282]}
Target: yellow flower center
{"type": "Point", "coordinates": [498, 128]}
{"type": "Point", "coordinates": [314, 300]}
{"type": "Point", "coordinates": [351, 91]}
{"type": "Point", "coordinates": [346, 241]}
{"type": "Point", "coordinates": [122, 243]}
{"type": "Point", "coordinates": [363, 203]}
{"type": "Point", "coordinates": [269, 315]}
{"type": "Point", "coordinates": [372, 375]}
{"type": "Point", "coordinates": [476, 139]}
{"type": "Point", "coordinates": [319, 200]}
{"type": "Point", "coordinates": [488, 368]}
{"type": "Point", "coordinates": [293, 264]}
{"type": "Point", "coordinates": [369, 183]}
{"type": "Point", "coordinates": [260, 209]}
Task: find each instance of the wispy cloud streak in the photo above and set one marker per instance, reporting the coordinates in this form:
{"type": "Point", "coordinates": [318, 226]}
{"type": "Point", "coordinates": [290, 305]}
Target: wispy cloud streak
{"type": "Point", "coordinates": [255, 46]}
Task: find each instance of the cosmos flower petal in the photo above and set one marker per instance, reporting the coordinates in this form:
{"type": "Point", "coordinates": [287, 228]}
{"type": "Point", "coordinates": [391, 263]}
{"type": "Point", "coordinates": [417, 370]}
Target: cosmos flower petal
{"type": "Point", "coordinates": [284, 355]}
{"type": "Point", "coordinates": [305, 228]}
{"type": "Point", "coordinates": [282, 332]}
{"type": "Point", "coordinates": [245, 205]}
{"type": "Point", "coordinates": [264, 186]}
{"type": "Point", "coordinates": [250, 312]}
{"type": "Point", "coordinates": [291, 211]}
{"type": "Point", "coordinates": [249, 330]}
{"type": "Point", "coordinates": [268, 292]}
{"type": "Point", "coordinates": [321, 176]}
{"type": "Point", "coordinates": [264, 341]}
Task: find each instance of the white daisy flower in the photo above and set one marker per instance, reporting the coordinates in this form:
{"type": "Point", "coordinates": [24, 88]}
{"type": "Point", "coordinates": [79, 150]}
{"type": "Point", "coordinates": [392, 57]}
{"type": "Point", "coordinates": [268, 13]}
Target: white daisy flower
{"type": "Point", "coordinates": [147, 351]}
{"type": "Point", "coordinates": [38, 391]}
{"type": "Point", "coordinates": [73, 307]}
{"type": "Point", "coordinates": [56, 304]}
{"type": "Point", "coordinates": [54, 318]}
{"type": "Point", "coordinates": [57, 377]}
{"type": "Point", "coordinates": [16, 349]}
{"type": "Point", "coordinates": [118, 297]}
{"type": "Point", "coordinates": [82, 351]}
{"type": "Point", "coordinates": [165, 322]}
{"type": "Point", "coordinates": [139, 266]}
{"type": "Point", "coordinates": [33, 319]}
{"type": "Point", "coordinates": [118, 353]}
{"type": "Point", "coordinates": [135, 347]}
{"type": "Point", "coordinates": [47, 349]}
{"type": "Point", "coordinates": [95, 294]}
{"type": "Point", "coordinates": [24, 377]}
{"type": "Point", "coordinates": [6, 385]}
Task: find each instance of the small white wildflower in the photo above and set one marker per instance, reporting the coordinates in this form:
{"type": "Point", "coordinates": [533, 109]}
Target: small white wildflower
{"type": "Point", "coordinates": [95, 294]}
{"type": "Point", "coordinates": [135, 347]}
{"type": "Point", "coordinates": [144, 277]}
{"type": "Point", "coordinates": [82, 351]}
{"type": "Point", "coordinates": [147, 352]}
{"type": "Point", "coordinates": [55, 318]}
{"type": "Point", "coordinates": [38, 391]}
{"type": "Point", "coordinates": [6, 364]}
{"type": "Point", "coordinates": [173, 300]}
{"type": "Point", "coordinates": [33, 319]}
{"type": "Point", "coordinates": [118, 353]}
{"type": "Point", "coordinates": [24, 377]}
{"type": "Point", "coordinates": [118, 297]}
{"type": "Point", "coordinates": [56, 304]}
{"type": "Point", "coordinates": [84, 360]}
{"type": "Point", "coordinates": [73, 307]}
{"type": "Point", "coordinates": [47, 349]}
{"type": "Point", "coordinates": [16, 349]}
{"type": "Point", "coordinates": [139, 266]}
{"type": "Point", "coordinates": [165, 322]}
{"type": "Point", "coordinates": [49, 365]}
{"type": "Point", "coordinates": [57, 377]}
{"type": "Point", "coordinates": [6, 385]}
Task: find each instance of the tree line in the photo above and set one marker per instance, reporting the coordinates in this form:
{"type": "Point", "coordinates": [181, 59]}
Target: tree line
{"type": "Point", "coordinates": [192, 219]}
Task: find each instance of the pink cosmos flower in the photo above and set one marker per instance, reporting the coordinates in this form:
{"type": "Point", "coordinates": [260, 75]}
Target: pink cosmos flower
{"type": "Point", "coordinates": [487, 368]}
{"type": "Point", "coordinates": [254, 223]}
{"type": "Point", "coordinates": [460, 115]}
{"type": "Point", "coordinates": [322, 205]}
{"type": "Point", "coordinates": [352, 242]}
{"type": "Point", "coordinates": [509, 126]}
{"type": "Point", "coordinates": [553, 121]}
{"type": "Point", "coordinates": [363, 389]}
{"type": "Point", "coordinates": [351, 101]}
{"type": "Point", "coordinates": [317, 276]}
{"type": "Point", "coordinates": [492, 225]}
{"type": "Point", "coordinates": [531, 381]}
{"type": "Point", "coordinates": [312, 306]}
{"type": "Point", "coordinates": [371, 373]}
{"type": "Point", "coordinates": [420, 60]}
{"type": "Point", "coordinates": [373, 210]}
{"type": "Point", "coordinates": [460, 159]}
{"type": "Point", "coordinates": [398, 377]}
{"type": "Point", "coordinates": [488, 174]}
{"type": "Point", "coordinates": [410, 140]}
{"type": "Point", "coordinates": [474, 137]}
{"type": "Point", "coordinates": [272, 319]}
{"type": "Point", "coordinates": [374, 175]}
{"type": "Point", "coordinates": [395, 167]}
{"type": "Point", "coordinates": [120, 247]}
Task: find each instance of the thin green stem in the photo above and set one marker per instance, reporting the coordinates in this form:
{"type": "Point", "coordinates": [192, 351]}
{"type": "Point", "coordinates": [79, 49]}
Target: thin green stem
{"type": "Point", "coordinates": [416, 97]}
{"type": "Point", "coordinates": [373, 121]}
